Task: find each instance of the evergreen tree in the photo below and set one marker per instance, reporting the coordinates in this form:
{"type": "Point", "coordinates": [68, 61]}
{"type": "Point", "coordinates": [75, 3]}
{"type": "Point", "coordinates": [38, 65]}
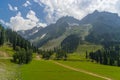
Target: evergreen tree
{"type": "Point", "coordinates": [86, 55]}
{"type": "Point", "coordinates": [2, 36]}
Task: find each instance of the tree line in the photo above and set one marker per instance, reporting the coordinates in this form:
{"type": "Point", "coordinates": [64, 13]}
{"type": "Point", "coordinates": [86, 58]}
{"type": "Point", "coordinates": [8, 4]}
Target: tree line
{"type": "Point", "coordinates": [58, 54]}
{"type": "Point", "coordinates": [109, 55]}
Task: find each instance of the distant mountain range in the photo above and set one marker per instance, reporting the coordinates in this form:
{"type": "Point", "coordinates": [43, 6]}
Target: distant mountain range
{"type": "Point", "coordinates": [95, 28]}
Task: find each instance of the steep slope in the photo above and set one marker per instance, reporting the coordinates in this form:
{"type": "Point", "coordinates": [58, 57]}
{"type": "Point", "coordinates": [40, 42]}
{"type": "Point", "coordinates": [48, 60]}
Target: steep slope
{"type": "Point", "coordinates": [80, 31]}
{"type": "Point", "coordinates": [28, 33]}
{"type": "Point", "coordinates": [52, 31]}
{"type": "Point", "coordinates": [106, 26]}
{"type": "Point", "coordinates": [13, 39]}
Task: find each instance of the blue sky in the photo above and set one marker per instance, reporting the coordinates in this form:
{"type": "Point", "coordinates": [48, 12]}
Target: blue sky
{"type": "Point", "coordinates": [6, 13]}
{"type": "Point", "coordinates": [26, 14]}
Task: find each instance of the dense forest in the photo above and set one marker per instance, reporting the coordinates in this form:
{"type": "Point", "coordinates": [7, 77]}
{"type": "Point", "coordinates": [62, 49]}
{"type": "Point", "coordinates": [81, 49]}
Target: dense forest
{"type": "Point", "coordinates": [22, 47]}
{"type": "Point", "coordinates": [109, 55]}
{"type": "Point", "coordinates": [70, 43]}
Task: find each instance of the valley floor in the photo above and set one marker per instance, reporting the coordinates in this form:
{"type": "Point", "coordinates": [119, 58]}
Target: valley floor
{"type": "Point", "coordinates": [57, 70]}
{"type": "Point", "coordinates": [40, 69]}
{"type": "Point", "coordinates": [48, 70]}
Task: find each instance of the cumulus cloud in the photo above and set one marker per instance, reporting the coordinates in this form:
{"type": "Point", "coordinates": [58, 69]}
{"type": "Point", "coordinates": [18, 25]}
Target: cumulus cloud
{"type": "Point", "coordinates": [27, 3]}
{"type": "Point", "coordinates": [19, 23]}
{"type": "Point", "coordinates": [12, 8]}
{"type": "Point", "coordinates": [76, 8]}
{"type": "Point", "coordinates": [31, 15]}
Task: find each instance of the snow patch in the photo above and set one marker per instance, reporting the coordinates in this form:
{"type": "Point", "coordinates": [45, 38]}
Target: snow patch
{"type": "Point", "coordinates": [73, 24]}
{"type": "Point", "coordinates": [33, 32]}
{"type": "Point", "coordinates": [43, 36]}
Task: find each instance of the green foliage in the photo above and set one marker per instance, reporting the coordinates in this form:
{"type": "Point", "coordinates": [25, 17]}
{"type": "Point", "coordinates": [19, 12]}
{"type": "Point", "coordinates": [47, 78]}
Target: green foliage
{"type": "Point", "coordinates": [2, 35]}
{"type": "Point", "coordinates": [109, 55]}
{"type": "Point", "coordinates": [17, 40]}
{"type": "Point", "coordinates": [61, 54]}
{"type": "Point", "coordinates": [45, 54]}
{"type": "Point", "coordinates": [22, 56]}
{"type": "Point", "coordinates": [70, 43]}
{"type": "Point", "coordinates": [23, 47]}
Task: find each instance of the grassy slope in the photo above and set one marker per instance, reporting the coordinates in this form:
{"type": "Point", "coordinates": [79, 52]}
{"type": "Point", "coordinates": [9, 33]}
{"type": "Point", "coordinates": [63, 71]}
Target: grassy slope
{"type": "Point", "coordinates": [82, 31]}
{"type": "Point", "coordinates": [81, 50]}
{"type": "Point", "coordinates": [108, 71]}
{"type": "Point", "coordinates": [7, 50]}
{"type": "Point", "coordinates": [46, 70]}
{"type": "Point", "coordinates": [8, 70]}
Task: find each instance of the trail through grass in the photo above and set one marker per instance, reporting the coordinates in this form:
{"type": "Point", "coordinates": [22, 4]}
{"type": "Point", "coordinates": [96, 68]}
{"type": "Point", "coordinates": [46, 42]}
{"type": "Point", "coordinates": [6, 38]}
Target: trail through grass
{"type": "Point", "coordinates": [112, 72]}
{"type": "Point", "coordinates": [47, 70]}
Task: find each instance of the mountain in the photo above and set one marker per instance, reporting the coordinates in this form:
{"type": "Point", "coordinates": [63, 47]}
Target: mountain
{"type": "Point", "coordinates": [106, 26]}
{"type": "Point", "coordinates": [52, 31]}
{"type": "Point", "coordinates": [94, 28]}
{"type": "Point", "coordinates": [28, 33]}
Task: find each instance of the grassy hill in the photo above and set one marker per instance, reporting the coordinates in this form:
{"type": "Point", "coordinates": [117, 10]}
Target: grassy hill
{"type": "Point", "coordinates": [8, 70]}
{"type": "Point", "coordinates": [80, 52]}
{"type": "Point", "coordinates": [6, 51]}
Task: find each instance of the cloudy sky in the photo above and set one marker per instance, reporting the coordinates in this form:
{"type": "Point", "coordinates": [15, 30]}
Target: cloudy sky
{"type": "Point", "coordinates": [26, 14]}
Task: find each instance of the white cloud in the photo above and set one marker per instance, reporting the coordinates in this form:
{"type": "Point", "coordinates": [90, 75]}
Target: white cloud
{"type": "Point", "coordinates": [31, 15]}
{"type": "Point", "coordinates": [27, 3]}
{"type": "Point", "coordinates": [76, 8]}
{"type": "Point", "coordinates": [19, 23]}
{"type": "Point", "coordinates": [12, 8]}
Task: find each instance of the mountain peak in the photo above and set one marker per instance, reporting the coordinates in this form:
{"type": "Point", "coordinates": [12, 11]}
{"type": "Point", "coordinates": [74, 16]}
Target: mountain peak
{"type": "Point", "coordinates": [100, 16]}
{"type": "Point", "coordinates": [67, 19]}
{"type": "Point", "coordinates": [96, 11]}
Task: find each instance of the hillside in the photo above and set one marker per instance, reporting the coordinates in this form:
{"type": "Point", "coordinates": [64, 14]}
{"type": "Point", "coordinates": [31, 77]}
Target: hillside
{"type": "Point", "coordinates": [6, 51]}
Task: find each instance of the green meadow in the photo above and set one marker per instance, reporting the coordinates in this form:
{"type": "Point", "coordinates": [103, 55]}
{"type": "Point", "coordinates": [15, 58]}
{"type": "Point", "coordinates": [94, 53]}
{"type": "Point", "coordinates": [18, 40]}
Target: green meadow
{"type": "Point", "coordinates": [104, 70]}
{"type": "Point", "coordinates": [47, 70]}
{"type": "Point", "coordinates": [40, 69]}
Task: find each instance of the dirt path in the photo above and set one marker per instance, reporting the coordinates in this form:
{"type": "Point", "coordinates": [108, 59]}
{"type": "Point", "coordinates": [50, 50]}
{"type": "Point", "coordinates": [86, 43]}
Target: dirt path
{"type": "Point", "coordinates": [83, 71]}
{"type": "Point", "coordinates": [3, 54]}
{"type": "Point", "coordinates": [38, 57]}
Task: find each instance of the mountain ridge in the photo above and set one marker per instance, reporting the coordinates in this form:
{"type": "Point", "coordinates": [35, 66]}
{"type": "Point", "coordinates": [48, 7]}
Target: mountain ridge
{"type": "Point", "coordinates": [98, 24]}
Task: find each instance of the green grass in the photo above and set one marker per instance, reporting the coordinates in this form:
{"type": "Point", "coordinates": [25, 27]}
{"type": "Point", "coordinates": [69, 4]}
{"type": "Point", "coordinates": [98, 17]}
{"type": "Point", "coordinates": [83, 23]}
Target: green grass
{"type": "Point", "coordinates": [105, 70]}
{"type": "Point", "coordinates": [87, 47]}
{"type": "Point", "coordinates": [47, 70]}
{"type": "Point", "coordinates": [8, 50]}
{"type": "Point", "coordinates": [108, 71]}
{"type": "Point", "coordinates": [79, 54]}
{"type": "Point", "coordinates": [8, 70]}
